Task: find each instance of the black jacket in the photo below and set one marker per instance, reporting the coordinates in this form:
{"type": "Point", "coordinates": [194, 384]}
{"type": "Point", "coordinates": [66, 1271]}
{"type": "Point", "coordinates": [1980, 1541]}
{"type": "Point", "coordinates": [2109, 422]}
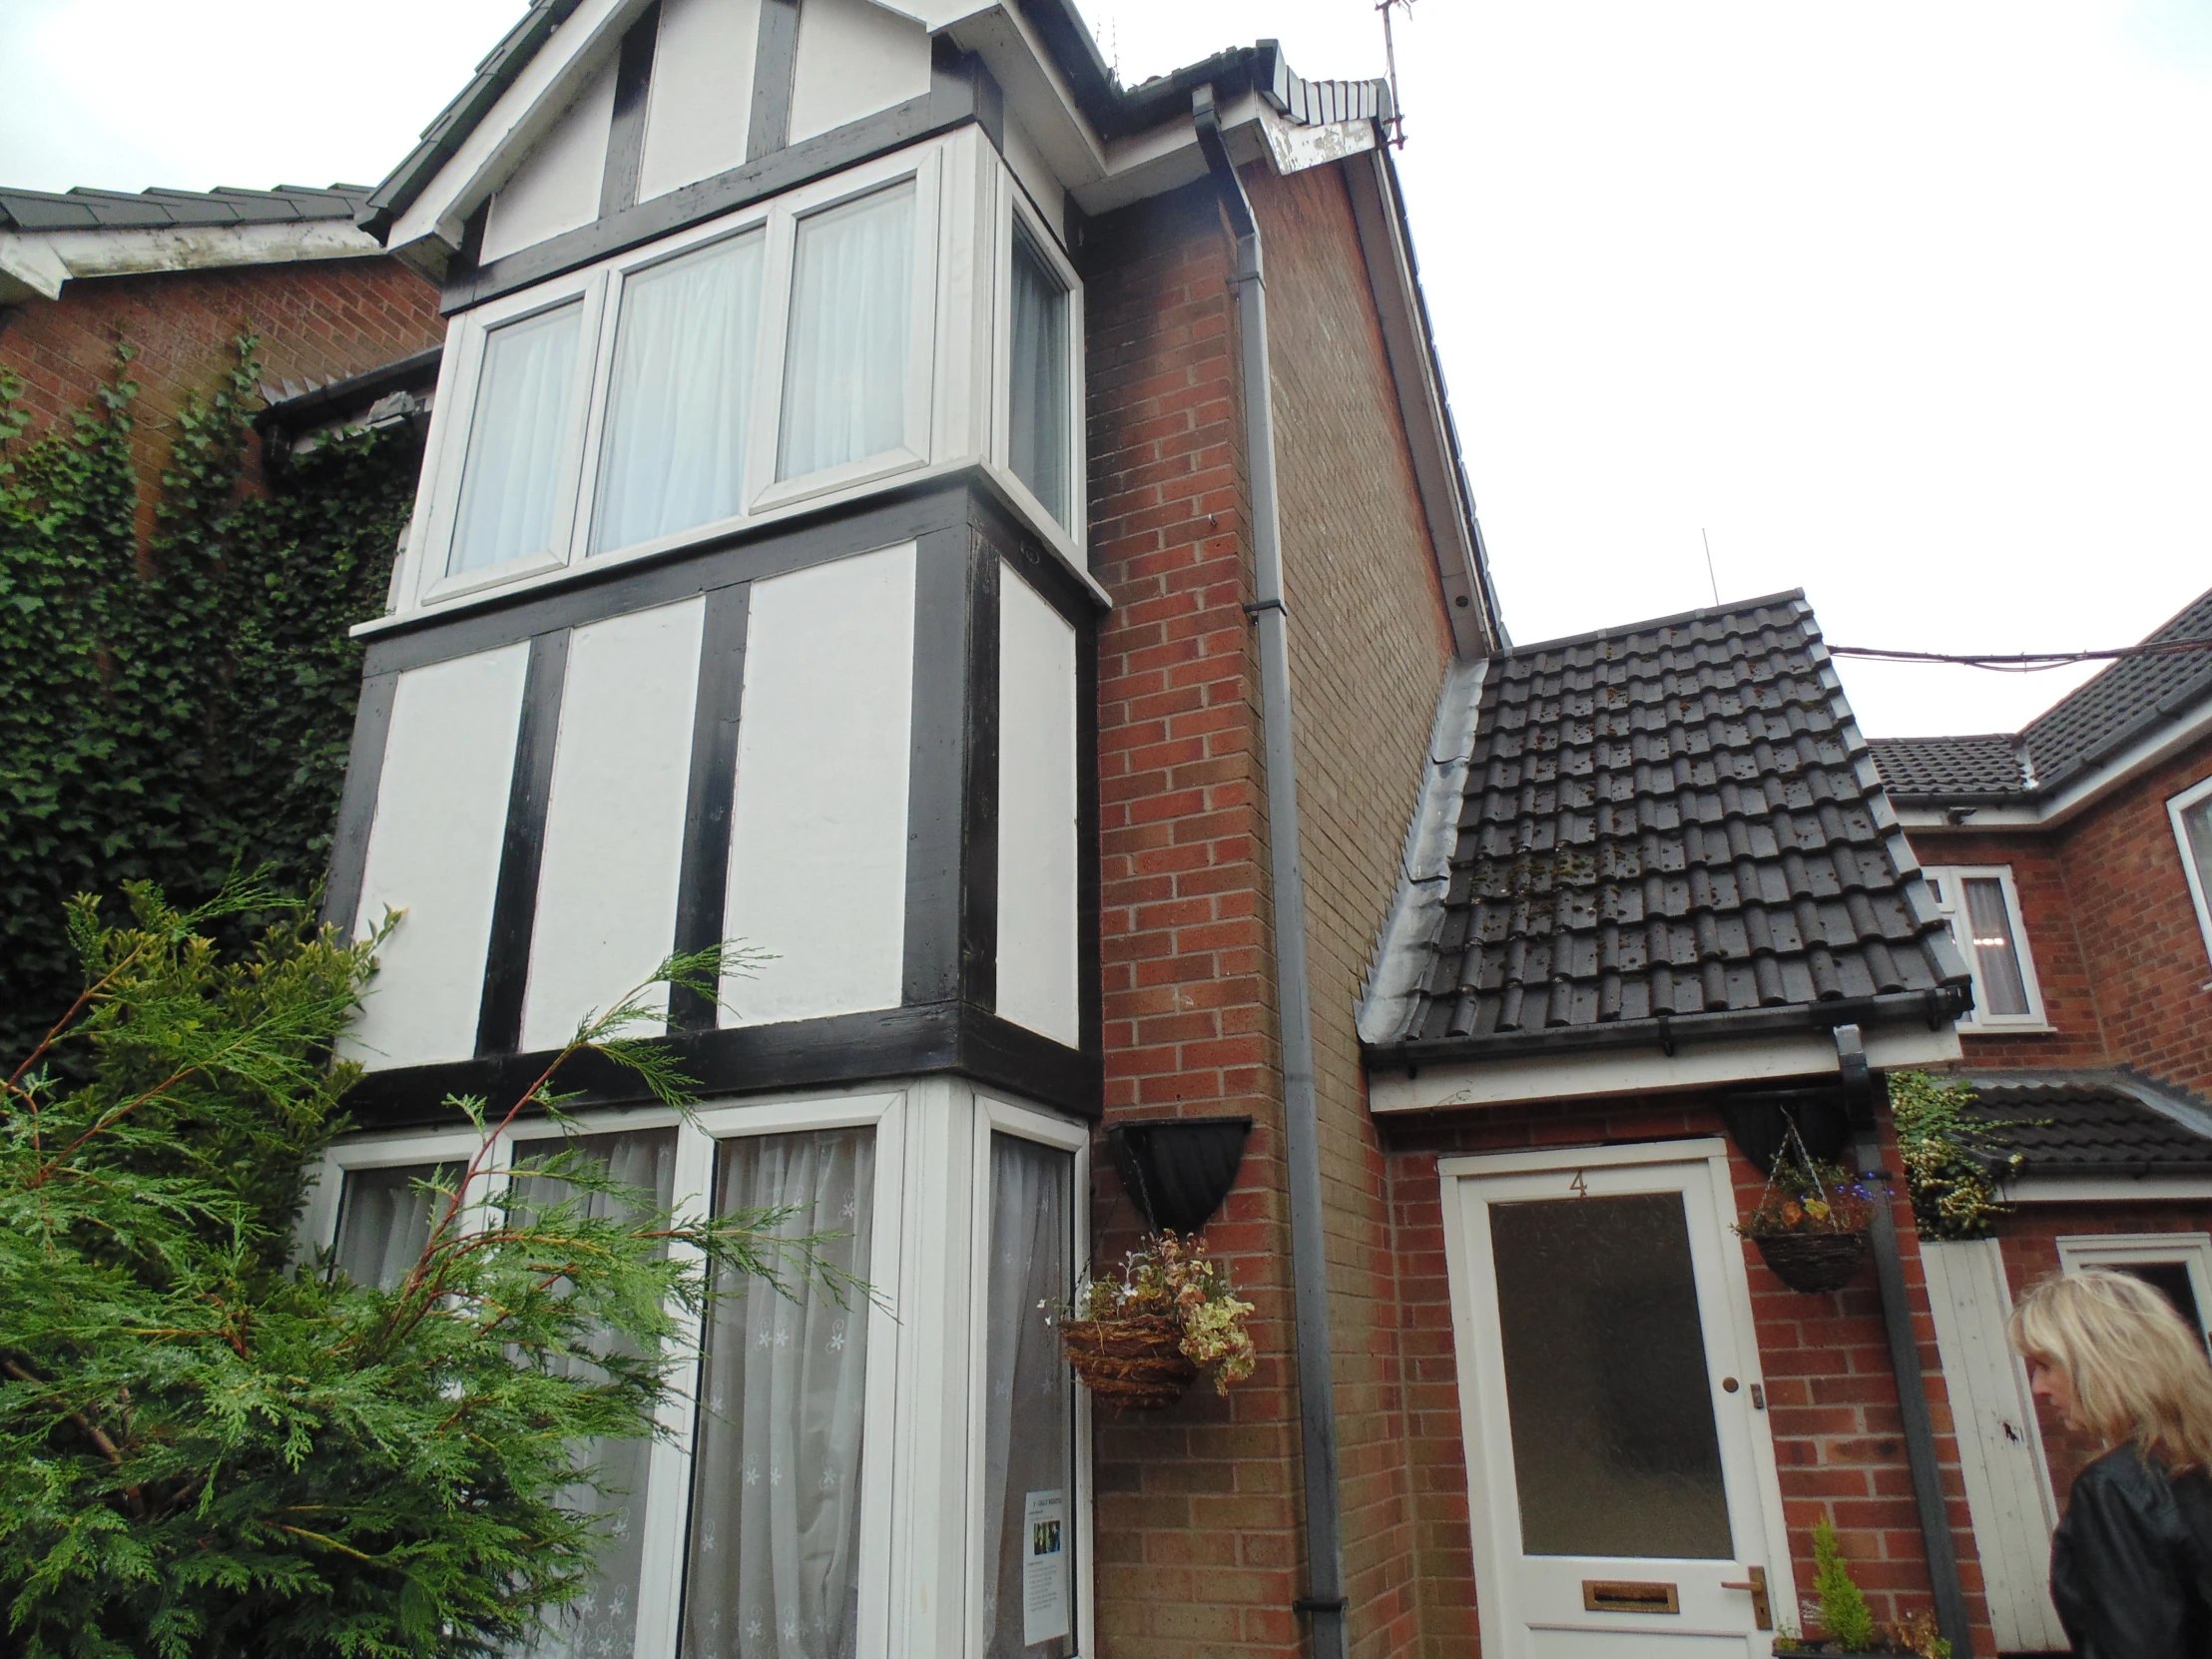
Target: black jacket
{"type": "Point", "coordinates": [2131, 1564]}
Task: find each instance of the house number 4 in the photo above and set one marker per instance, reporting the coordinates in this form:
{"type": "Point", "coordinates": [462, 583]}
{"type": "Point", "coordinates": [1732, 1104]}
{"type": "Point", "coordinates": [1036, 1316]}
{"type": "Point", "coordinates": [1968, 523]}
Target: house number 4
{"type": "Point", "coordinates": [1579, 1187]}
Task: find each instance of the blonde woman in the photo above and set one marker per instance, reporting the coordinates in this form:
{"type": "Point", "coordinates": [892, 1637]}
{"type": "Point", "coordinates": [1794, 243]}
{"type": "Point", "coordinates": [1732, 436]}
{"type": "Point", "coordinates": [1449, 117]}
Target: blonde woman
{"type": "Point", "coordinates": [2131, 1563]}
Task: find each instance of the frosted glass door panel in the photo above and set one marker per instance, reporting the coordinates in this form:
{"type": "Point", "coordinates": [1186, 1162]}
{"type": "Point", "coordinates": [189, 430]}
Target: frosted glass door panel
{"type": "Point", "coordinates": [1614, 1444]}
{"type": "Point", "coordinates": [519, 447]}
{"type": "Point", "coordinates": [849, 356]}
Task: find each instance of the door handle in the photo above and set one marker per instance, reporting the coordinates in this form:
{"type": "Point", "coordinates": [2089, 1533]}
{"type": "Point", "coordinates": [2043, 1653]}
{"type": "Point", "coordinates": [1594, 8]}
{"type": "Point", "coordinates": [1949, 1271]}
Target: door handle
{"type": "Point", "coordinates": [1762, 1612]}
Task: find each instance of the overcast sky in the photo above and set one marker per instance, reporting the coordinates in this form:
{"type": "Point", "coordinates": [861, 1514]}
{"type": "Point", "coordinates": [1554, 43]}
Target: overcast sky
{"type": "Point", "coordinates": [1907, 303]}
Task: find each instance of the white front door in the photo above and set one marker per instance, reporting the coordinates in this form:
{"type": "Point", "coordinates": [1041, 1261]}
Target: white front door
{"type": "Point", "coordinates": [1621, 1477]}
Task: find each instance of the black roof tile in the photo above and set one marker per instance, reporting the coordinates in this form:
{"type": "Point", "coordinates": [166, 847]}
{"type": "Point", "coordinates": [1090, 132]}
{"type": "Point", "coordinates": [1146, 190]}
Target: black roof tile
{"type": "Point", "coordinates": [1674, 819]}
{"type": "Point", "coordinates": [2091, 1124]}
{"type": "Point", "coordinates": [84, 208]}
{"type": "Point", "coordinates": [1985, 764]}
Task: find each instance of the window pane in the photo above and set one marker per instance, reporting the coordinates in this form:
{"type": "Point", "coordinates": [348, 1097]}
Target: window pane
{"type": "Point", "coordinates": [1995, 947]}
{"type": "Point", "coordinates": [384, 1218]}
{"type": "Point", "coordinates": [846, 364]}
{"type": "Point", "coordinates": [775, 1475]}
{"type": "Point", "coordinates": [1030, 1445]}
{"type": "Point", "coordinates": [2197, 821]}
{"type": "Point", "coordinates": [1616, 1451]}
{"type": "Point", "coordinates": [602, 1623]}
{"type": "Point", "coordinates": [674, 452]}
{"type": "Point", "coordinates": [516, 440]}
{"type": "Point", "coordinates": [1039, 394]}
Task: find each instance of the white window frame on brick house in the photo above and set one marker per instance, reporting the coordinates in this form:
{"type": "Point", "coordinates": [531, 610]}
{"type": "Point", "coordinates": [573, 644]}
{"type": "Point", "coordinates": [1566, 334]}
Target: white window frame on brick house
{"type": "Point", "coordinates": [1950, 898]}
{"type": "Point", "coordinates": [2192, 1250]}
{"type": "Point", "coordinates": [2178, 810]}
{"type": "Point", "coordinates": [957, 389]}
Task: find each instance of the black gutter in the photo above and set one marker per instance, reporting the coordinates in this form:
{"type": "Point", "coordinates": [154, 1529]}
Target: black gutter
{"type": "Point", "coordinates": [1931, 1007]}
{"type": "Point", "coordinates": [1324, 1600]}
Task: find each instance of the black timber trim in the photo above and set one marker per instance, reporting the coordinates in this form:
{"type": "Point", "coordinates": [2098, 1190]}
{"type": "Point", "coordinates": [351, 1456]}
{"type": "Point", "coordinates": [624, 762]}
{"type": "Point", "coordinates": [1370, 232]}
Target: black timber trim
{"type": "Point", "coordinates": [515, 902]}
{"type": "Point", "coordinates": [493, 620]}
{"type": "Point", "coordinates": [927, 1039]}
{"type": "Point", "coordinates": [949, 66]}
{"type": "Point", "coordinates": [618, 185]}
{"type": "Point", "coordinates": [932, 968]}
{"type": "Point", "coordinates": [979, 851]}
{"type": "Point", "coordinates": [953, 101]}
{"type": "Point", "coordinates": [364, 770]}
{"type": "Point", "coordinates": [703, 881]}
{"type": "Point", "coordinates": [775, 69]}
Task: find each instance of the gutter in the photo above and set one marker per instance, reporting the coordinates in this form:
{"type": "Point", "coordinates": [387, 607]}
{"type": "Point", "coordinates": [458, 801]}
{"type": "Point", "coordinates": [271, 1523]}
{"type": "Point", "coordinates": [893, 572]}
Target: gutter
{"type": "Point", "coordinates": [1324, 1600]}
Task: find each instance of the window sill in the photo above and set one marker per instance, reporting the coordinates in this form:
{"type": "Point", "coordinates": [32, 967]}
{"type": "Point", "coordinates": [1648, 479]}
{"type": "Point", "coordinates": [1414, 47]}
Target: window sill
{"type": "Point", "coordinates": [2027, 1028]}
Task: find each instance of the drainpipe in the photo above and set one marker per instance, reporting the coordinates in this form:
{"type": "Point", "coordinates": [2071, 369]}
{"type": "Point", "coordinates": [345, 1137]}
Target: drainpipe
{"type": "Point", "coordinates": [1325, 1595]}
{"type": "Point", "coordinates": [1905, 1355]}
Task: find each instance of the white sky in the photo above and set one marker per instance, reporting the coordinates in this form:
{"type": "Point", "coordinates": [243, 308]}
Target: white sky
{"type": "Point", "coordinates": [1907, 303]}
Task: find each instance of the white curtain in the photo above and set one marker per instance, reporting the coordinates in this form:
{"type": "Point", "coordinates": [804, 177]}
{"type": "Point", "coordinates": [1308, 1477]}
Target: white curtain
{"type": "Point", "coordinates": [1038, 406]}
{"type": "Point", "coordinates": [1991, 924]}
{"type": "Point", "coordinates": [1029, 1415]}
{"type": "Point", "coordinates": [674, 453]}
{"type": "Point", "coordinates": [515, 448]}
{"type": "Point", "coordinates": [774, 1569]}
{"type": "Point", "coordinates": [2197, 820]}
{"type": "Point", "coordinates": [384, 1218]}
{"type": "Point", "coordinates": [602, 1623]}
{"type": "Point", "coordinates": [845, 363]}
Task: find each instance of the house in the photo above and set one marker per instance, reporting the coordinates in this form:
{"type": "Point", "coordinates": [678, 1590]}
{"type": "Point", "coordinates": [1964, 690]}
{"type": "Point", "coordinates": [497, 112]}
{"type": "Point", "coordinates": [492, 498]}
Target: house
{"type": "Point", "coordinates": [2074, 858]}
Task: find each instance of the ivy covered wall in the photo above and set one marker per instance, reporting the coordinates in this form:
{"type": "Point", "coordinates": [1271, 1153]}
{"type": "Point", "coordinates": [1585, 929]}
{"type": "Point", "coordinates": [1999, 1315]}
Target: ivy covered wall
{"type": "Point", "coordinates": [168, 711]}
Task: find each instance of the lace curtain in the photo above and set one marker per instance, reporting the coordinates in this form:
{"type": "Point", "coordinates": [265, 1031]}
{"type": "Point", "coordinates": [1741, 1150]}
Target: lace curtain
{"type": "Point", "coordinates": [385, 1220]}
{"type": "Point", "coordinates": [846, 364]}
{"type": "Point", "coordinates": [513, 470]}
{"type": "Point", "coordinates": [674, 453]}
{"type": "Point", "coordinates": [1038, 409]}
{"type": "Point", "coordinates": [774, 1569]}
{"type": "Point", "coordinates": [602, 1623]}
{"type": "Point", "coordinates": [1030, 1415]}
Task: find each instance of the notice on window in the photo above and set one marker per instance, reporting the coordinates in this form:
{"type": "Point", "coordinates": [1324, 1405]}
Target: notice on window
{"type": "Point", "coordinates": [1044, 1569]}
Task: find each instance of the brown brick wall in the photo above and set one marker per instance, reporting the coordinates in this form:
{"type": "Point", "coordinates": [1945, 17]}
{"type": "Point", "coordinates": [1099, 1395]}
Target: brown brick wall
{"type": "Point", "coordinates": [1832, 1400]}
{"type": "Point", "coordinates": [325, 318]}
{"type": "Point", "coordinates": [1368, 646]}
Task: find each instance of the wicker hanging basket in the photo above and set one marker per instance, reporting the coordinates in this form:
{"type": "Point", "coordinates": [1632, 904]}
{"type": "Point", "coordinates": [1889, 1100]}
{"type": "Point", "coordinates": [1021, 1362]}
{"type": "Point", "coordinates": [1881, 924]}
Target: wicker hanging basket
{"type": "Point", "coordinates": [1133, 1363]}
{"type": "Point", "coordinates": [1812, 1262]}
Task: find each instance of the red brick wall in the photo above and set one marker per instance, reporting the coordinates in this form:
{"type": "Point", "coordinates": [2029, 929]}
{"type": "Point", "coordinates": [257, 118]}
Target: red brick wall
{"type": "Point", "coordinates": [325, 318]}
{"type": "Point", "coordinates": [1369, 642]}
{"type": "Point", "coordinates": [1832, 1398]}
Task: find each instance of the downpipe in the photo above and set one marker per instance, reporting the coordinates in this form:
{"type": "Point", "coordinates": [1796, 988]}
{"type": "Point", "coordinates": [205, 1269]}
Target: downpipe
{"type": "Point", "coordinates": [1324, 1600]}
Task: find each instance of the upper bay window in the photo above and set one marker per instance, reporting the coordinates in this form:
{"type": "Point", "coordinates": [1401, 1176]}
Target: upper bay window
{"type": "Point", "coordinates": [906, 316]}
{"type": "Point", "coordinates": [1984, 910]}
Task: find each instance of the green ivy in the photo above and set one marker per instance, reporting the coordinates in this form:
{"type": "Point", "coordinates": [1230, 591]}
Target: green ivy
{"type": "Point", "coordinates": [1949, 1155]}
{"type": "Point", "coordinates": [169, 714]}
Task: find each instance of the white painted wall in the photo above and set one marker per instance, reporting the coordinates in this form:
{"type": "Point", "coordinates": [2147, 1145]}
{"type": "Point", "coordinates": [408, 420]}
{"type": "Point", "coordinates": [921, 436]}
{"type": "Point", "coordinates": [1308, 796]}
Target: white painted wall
{"type": "Point", "coordinates": [854, 58]}
{"type": "Point", "coordinates": [702, 100]}
{"type": "Point", "coordinates": [1037, 943]}
{"type": "Point", "coordinates": [433, 851]}
{"type": "Point", "coordinates": [818, 840]}
{"type": "Point", "coordinates": [556, 188]}
{"type": "Point", "coordinates": [613, 825]}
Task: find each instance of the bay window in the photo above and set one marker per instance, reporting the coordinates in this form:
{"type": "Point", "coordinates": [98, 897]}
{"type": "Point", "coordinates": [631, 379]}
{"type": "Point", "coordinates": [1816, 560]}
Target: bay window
{"type": "Point", "coordinates": [761, 1523]}
{"type": "Point", "coordinates": [906, 314]}
{"type": "Point", "coordinates": [1983, 908]}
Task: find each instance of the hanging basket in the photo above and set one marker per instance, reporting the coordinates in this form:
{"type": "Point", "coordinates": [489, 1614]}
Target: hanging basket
{"type": "Point", "coordinates": [1133, 1363]}
{"type": "Point", "coordinates": [1812, 1262]}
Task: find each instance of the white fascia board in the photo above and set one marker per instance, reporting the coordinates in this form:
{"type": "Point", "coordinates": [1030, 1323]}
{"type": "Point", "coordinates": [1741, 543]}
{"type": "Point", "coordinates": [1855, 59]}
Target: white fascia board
{"type": "Point", "coordinates": [548, 84]}
{"type": "Point", "coordinates": [2107, 1189]}
{"type": "Point", "coordinates": [1036, 94]}
{"type": "Point", "coordinates": [1294, 148]}
{"type": "Point", "coordinates": [1647, 1070]}
{"type": "Point", "coordinates": [38, 263]}
{"type": "Point", "coordinates": [2152, 750]}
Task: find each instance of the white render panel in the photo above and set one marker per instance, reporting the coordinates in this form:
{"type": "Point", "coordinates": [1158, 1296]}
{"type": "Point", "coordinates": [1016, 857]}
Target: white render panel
{"type": "Point", "coordinates": [1037, 942]}
{"type": "Point", "coordinates": [556, 188]}
{"type": "Point", "coordinates": [434, 853]}
{"type": "Point", "coordinates": [854, 58]}
{"type": "Point", "coordinates": [817, 834]}
{"type": "Point", "coordinates": [614, 821]}
{"type": "Point", "coordinates": [2001, 1450]}
{"type": "Point", "coordinates": [702, 100]}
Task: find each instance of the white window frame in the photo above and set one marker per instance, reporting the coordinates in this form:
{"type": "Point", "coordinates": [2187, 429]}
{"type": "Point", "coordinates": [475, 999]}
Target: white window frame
{"type": "Point", "coordinates": [1023, 213]}
{"type": "Point", "coordinates": [1951, 900]}
{"type": "Point", "coordinates": [2175, 807]}
{"type": "Point", "coordinates": [1001, 1117]}
{"type": "Point", "coordinates": [2192, 1250]}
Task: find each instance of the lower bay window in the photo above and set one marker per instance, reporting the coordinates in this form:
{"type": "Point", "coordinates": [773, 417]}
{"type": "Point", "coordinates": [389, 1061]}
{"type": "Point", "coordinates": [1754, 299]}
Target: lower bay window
{"type": "Point", "coordinates": [901, 1477]}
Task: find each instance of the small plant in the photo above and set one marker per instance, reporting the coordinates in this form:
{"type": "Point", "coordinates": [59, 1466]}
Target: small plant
{"type": "Point", "coordinates": [1844, 1618]}
{"type": "Point", "coordinates": [1949, 1155]}
{"type": "Point", "coordinates": [1173, 1278]}
{"type": "Point", "coordinates": [1809, 1198]}
{"type": "Point", "coordinates": [1915, 1633]}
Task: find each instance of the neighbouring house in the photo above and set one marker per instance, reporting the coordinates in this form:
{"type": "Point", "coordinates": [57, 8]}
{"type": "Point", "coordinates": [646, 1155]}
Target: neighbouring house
{"type": "Point", "coordinates": [2074, 861]}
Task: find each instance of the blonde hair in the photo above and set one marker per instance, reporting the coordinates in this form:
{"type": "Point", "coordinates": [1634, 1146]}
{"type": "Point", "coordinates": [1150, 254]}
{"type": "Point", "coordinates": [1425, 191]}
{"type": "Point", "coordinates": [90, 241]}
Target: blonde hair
{"type": "Point", "coordinates": [2138, 1371]}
